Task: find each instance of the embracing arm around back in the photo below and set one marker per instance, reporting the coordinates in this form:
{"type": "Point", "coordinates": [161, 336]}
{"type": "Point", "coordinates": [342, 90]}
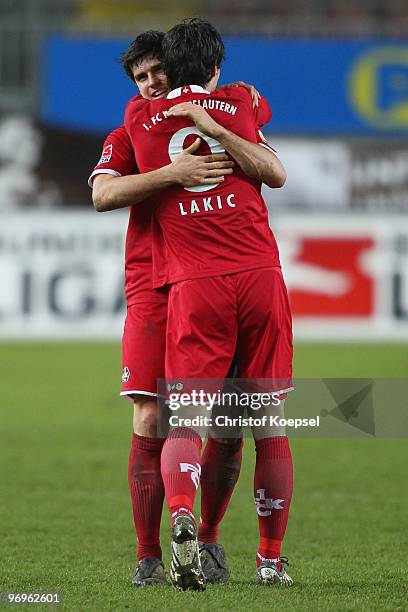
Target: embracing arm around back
{"type": "Point", "coordinates": [258, 162]}
{"type": "Point", "coordinates": [111, 192]}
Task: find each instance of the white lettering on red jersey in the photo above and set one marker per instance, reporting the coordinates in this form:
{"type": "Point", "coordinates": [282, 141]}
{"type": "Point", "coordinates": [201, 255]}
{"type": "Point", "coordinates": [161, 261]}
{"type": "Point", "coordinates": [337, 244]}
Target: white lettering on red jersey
{"type": "Point", "coordinates": [209, 230]}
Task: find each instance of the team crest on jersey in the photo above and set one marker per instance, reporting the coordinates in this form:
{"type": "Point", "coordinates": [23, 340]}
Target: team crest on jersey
{"type": "Point", "coordinates": [106, 155]}
{"type": "Point", "coordinates": [125, 374]}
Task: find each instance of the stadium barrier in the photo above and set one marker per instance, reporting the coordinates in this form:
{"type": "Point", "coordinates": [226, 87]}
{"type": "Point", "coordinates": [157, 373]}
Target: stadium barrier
{"type": "Point", "coordinates": [62, 275]}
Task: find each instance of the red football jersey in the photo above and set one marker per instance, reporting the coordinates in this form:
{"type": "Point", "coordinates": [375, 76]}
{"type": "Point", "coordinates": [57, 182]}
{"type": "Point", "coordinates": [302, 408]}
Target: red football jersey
{"type": "Point", "coordinates": [207, 230]}
{"type": "Point", "coordinates": [118, 159]}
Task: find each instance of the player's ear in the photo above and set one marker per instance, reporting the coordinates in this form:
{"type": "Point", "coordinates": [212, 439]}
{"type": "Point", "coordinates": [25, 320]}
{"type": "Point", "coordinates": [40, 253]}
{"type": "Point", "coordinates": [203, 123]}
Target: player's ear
{"type": "Point", "coordinates": [215, 75]}
{"type": "Point", "coordinates": [215, 72]}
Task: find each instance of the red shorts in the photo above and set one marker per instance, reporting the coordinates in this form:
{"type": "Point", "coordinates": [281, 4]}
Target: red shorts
{"type": "Point", "coordinates": [244, 315]}
{"type": "Point", "coordinates": [143, 348]}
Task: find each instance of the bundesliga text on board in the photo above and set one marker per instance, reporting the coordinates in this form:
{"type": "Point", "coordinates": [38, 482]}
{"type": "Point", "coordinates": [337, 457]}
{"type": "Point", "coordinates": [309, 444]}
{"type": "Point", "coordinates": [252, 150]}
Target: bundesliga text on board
{"type": "Point", "coordinates": [347, 277]}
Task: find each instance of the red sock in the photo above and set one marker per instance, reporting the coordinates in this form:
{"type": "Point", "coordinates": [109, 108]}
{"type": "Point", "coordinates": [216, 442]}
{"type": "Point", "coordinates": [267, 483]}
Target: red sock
{"type": "Point", "coordinates": [220, 465]}
{"type": "Point", "coordinates": [273, 486]}
{"type": "Point", "coordinates": [147, 493]}
{"type": "Point", "coordinates": [181, 469]}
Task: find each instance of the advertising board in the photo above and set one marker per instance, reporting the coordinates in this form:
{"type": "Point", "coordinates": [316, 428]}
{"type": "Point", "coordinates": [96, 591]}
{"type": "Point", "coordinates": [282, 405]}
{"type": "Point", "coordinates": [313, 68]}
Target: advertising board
{"type": "Point", "coordinates": [61, 275]}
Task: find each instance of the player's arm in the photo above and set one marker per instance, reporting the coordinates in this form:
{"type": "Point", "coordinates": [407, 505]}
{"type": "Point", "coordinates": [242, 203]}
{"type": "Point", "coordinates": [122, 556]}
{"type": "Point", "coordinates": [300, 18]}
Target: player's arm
{"type": "Point", "coordinates": [111, 192]}
{"type": "Point", "coordinates": [258, 162]}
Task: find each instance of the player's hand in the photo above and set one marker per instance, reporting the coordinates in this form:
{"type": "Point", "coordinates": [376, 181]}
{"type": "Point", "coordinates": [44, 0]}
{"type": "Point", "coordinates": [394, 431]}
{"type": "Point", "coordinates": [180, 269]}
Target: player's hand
{"type": "Point", "coordinates": [198, 115]}
{"type": "Point", "coordinates": [190, 170]}
{"type": "Point", "coordinates": [255, 95]}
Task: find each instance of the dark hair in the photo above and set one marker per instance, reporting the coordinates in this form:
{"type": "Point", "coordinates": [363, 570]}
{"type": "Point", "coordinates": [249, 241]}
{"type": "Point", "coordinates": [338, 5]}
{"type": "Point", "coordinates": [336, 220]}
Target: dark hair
{"type": "Point", "coordinates": [190, 50]}
{"type": "Point", "coordinates": [148, 44]}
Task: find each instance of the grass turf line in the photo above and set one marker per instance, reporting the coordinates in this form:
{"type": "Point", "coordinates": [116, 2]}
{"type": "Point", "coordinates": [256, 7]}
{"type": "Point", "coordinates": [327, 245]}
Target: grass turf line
{"type": "Point", "coordinates": [65, 513]}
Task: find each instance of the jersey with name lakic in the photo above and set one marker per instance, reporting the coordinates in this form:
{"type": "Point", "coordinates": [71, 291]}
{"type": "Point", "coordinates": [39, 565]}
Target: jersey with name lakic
{"type": "Point", "coordinates": [118, 159]}
{"type": "Point", "coordinates": [207, 230]}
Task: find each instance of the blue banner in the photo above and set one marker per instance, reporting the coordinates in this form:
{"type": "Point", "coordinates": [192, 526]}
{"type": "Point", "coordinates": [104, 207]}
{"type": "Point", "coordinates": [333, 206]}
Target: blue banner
{"type": "Point", "coordinates": [314, 87]}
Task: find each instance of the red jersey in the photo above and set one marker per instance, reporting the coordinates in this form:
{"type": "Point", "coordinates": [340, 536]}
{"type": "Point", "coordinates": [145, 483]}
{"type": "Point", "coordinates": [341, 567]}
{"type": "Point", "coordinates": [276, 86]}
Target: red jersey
{"type": "Point", "coordinates": [209, 230]}
{"type": "Point", "coordinates": [118, 159]}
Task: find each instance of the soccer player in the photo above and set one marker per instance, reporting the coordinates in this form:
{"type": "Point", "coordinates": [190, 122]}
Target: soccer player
{"type": "Point", "coordinates": [116, 184]}
{"type": "Point", "coordinates": [227, 292]}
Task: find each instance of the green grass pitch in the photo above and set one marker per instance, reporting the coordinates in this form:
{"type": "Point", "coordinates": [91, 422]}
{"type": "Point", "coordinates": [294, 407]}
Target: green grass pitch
{"type": "Point", "coordinates": [65, 516]}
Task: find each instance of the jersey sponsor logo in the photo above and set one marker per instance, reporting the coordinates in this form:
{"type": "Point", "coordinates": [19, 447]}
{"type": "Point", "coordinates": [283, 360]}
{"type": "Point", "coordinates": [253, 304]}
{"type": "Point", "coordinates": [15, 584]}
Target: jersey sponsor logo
{"type": "Point", "coordinates": [106, 154]}
{"type": "Point", "coordinates": [125, 374]}
{"type": "Point", "coordinates": [265, 505]}
{"type": "Point", "coordinates": [195, 472]}
{"type": "Point", "coordinates": [206, 204]}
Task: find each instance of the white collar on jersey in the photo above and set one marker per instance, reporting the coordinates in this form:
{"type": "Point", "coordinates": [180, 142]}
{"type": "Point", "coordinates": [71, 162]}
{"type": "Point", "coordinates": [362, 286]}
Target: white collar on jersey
{"type": "Point", "coordinates": [175, 93]}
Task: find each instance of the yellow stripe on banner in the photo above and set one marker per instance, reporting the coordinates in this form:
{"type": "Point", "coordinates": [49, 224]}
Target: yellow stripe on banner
{"type": "Point", "coordinates": [125, 13]}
